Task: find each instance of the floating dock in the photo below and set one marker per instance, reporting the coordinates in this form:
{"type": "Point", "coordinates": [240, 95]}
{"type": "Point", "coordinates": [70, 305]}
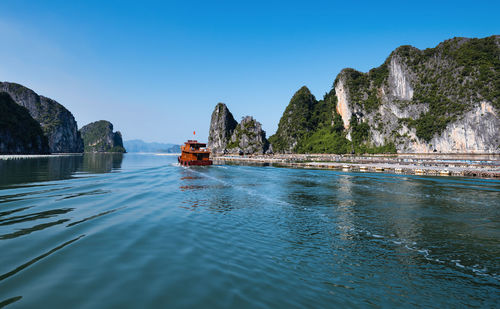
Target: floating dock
{"type": "Point", "coordinates": [484, 166]}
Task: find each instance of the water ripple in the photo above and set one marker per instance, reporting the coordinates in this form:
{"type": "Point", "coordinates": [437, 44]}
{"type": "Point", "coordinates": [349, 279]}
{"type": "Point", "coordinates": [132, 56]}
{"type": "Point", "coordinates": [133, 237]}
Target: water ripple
{"type": "Point", "coordinates": [35, 216]}
{"type": "Point", "coordinates": [155, 234]}
{"type": "Point", "coordinates": [38, 258]}
{"type": "Point", "coordinates": [30, 230]}
{"type": "Point", "coordinates": [94, 216]}
{"type": "Point", "coordinates": [10, 301]}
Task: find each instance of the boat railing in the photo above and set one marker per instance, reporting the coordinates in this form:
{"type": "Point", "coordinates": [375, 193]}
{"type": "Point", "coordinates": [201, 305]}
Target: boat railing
{"type": "Point", "coordinates": [199, 149]}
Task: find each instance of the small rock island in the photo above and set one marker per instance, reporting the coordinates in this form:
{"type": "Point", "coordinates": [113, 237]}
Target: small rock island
{"type": "Point", "coordinates": [98, 136]}
{"type": "Point", "coordinates": [228, 136]}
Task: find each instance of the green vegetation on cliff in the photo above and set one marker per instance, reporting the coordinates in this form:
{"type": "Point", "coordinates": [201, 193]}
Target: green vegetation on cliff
{"type": "Point", "coordinates": [332, 139]}
{"type": "Point", "coordinates": [324, 140]}
{"type": "Point", "coordinates": [302, 119]}
{"type": "Point", "coordinates": [310, 126]}
{"type": "Point", "coordinates": [469, 71]}
{"type": "Point", "coordinates": [364, 87]}
{"type": "Point", "coordinates": [327, 134]}
{"type": "Point", "coordinates": [299, 118]}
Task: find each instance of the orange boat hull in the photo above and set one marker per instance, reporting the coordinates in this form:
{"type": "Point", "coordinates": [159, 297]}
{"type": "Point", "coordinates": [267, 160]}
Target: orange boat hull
{"type": "Point", "coordinates": [194, 162]}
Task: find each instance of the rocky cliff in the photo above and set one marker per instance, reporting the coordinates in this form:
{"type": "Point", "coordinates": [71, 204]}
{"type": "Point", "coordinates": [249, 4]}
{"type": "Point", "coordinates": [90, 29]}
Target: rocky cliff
{"type": "Point", "coordinates": [99, 137]}
{"type": "Point", "coordinates": [248, 138]}
{"type": "Point", "coordinates": [228, 136]}
{"type": "Point", "coordinates": [57, 123]}
{"type": "Point", "coordinates": [222, 125]}
{"type": "Point", "coordinates": [442, 99]}
{"type": "Point", "coordinates": [19, 132]}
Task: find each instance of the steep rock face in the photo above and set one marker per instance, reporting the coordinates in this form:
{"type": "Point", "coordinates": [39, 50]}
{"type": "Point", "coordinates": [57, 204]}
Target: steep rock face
{"type": "Point", "coordinates": [476, 131]}
{"type": "Point", "coordinates": [99, 137]}
{"type": "Point", "coordinates": [222, 125]}
{"type": "Point", "coordinates": [443, 99]}
{"type": "Point", "coordinates": [295, 121]}
{"type": "Point", "coordinates": [400, 81]}
{"type": "Point", "coordinates": [343, 106]}
{"type": "Point", "coordinates": [248, 138]}
{"type": "Point", "coordinates": [19, 132]}
{"type": "Point", "coordinates": [57, 123]}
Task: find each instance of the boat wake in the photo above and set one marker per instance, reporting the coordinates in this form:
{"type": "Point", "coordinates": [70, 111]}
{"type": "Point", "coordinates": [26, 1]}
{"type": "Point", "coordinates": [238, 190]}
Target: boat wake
{"type": "Point", "coordinates": [412, 246]}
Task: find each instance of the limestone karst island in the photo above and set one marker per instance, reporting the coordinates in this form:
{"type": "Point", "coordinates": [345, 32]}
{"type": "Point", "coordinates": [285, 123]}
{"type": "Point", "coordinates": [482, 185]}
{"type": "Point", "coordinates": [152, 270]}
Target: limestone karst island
{"type": "Point", "coordinates": [34, 124]}
{"type": "Point", "coordinates": [249, 154]}
{"type": "Point", "coordinates": [438, 102]}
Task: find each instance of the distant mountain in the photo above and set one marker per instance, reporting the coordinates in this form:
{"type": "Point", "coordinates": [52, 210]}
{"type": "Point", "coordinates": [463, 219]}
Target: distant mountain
{"type": "Point", "coordinates": [138, 145]}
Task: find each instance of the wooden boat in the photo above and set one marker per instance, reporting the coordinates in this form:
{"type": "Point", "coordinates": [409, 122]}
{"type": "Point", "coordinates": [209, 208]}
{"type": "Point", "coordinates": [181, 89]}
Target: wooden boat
{"type": "Point", "coordinates": [194, 153]}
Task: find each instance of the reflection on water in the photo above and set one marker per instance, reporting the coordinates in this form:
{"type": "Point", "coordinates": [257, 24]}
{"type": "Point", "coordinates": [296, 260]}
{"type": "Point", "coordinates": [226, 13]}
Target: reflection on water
{"type": "Point", "coordinates": [38, 169]}
{"type": "Point", "coordinates": [345, 205]}
{"type": "Point", "coordinates": [136, 230]}
{"type": "Point", "coordinates": [101, 162]}
{"type": "Point", "coordinates": [56, 168]}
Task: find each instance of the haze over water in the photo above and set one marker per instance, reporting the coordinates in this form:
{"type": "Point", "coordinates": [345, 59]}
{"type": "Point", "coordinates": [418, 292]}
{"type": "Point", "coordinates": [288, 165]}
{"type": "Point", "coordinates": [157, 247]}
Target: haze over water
{"type": "Point", "coordinates": [140, 231]}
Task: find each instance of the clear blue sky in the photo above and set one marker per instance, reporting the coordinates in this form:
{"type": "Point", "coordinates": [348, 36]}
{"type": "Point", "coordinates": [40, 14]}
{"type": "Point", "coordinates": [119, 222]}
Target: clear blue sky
{"type": "Point", "coordinates": [156, 69]}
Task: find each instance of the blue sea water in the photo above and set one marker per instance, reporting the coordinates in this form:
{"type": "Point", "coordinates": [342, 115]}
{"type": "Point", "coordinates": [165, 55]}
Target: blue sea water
{"type": "Point", "coordinates": [132, 231]}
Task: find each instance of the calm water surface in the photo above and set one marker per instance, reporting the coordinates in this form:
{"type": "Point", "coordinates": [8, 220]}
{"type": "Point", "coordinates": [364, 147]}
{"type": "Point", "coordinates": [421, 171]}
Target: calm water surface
{"type": "Point", "coordinates": [140, 231]}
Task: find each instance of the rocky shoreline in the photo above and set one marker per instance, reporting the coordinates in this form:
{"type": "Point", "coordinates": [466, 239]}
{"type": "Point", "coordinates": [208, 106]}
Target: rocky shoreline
{"type": "Point", "coordinates": [483, 166]}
